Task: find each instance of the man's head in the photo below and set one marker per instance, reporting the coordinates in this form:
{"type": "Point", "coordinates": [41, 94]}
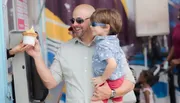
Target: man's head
{"type": "Point", "coordinates": [80, 20]}
{"type": "Point", "coordinates": [106, 22]}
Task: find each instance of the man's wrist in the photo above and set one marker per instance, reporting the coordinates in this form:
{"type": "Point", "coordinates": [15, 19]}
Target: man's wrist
{"type": "Point", "coordinates": [11, 52]}
{"type": "Point", "coordinates": [103, 78]}
{"type": "Point", "coordinates": [113, 94]}
{"type": "Point", "coordinates": [38, 57]}
{"type": "Point", "coordinates": [178, 61]}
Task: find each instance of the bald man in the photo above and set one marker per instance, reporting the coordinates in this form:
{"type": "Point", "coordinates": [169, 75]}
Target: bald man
{"type": "Point", "coordinates": [72, 63]}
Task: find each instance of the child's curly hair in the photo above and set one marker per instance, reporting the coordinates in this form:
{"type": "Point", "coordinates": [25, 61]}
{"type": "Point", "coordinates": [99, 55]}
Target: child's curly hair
{"type": "Point", "coordinates": [148, 76]}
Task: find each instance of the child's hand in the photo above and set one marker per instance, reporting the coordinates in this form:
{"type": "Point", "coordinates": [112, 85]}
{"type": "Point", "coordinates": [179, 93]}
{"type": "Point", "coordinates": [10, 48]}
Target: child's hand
{"type": "Point", "coordinates": [98, 81]}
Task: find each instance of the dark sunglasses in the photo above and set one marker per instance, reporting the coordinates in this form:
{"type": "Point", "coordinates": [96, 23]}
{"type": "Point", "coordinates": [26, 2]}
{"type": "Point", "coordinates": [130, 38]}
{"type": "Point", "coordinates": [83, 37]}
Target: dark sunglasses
{"type": "Point", "coordinates": [94, 24]}
{"type": "Point", "coordinates": [78, 20]}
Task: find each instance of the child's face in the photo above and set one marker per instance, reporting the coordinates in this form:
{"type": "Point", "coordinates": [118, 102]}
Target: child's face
{"type": "Point", "coordinates": [98, 29]}
{"type": "Point", "coordinates": [141, 78]}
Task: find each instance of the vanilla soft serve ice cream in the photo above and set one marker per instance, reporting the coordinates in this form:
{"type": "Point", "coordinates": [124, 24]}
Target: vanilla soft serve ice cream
{"type": "Point", "coordinates": [29, 37]}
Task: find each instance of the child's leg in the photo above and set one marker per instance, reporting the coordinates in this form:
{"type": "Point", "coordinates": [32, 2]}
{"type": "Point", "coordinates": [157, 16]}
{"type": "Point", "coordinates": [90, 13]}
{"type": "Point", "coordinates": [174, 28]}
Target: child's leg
{"type": "Point", "coordinates": [97, 102]}
{"type": "Point", "coordinates": [113, 84]}
{"type": "Point", "coordinates": [117, 102]}
{"type": "Point", "coordinates": [102, 101]}
{"type": "Point", "coordinates": [105, 101]}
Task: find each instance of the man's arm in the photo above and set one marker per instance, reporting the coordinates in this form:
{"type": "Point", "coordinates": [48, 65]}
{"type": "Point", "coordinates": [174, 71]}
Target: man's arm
{"type": "Point", "coordinates": [45, 74]}
{"type": "Point", "coordinates": [170, 55]}
{"type": "Point", "coordinates": [128, 83]}
{"type": "Point", "coordinates": [104, 92]}
{"type": "Point", "coordinates": [49, 78]}
{"type": "Point", "coordinates": [126, 87]}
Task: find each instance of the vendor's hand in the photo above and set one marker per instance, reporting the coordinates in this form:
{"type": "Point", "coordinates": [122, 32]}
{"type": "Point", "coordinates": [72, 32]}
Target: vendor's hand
{"type": "Point", "coordinates": [97, 81]}
{"type": "Point", "coordinates": [34, 51]}
{"type": "Point", "coordinates": [18, 48]}
{"type": "Point", "coordinates": [101, 93]}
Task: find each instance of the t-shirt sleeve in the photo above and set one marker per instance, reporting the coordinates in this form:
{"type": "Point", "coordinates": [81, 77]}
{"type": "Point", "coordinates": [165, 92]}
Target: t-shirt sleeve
{"type": "Point", "coordinates": [8, 55]}
{"type": "Point", "coordinates": [146, 89]}
{"type": "Point", "coordinates": [104, 52]}
{"type": "Point", "coordinates": [56, 68]}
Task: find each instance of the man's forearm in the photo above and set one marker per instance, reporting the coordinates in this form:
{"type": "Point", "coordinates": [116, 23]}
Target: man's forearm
{"type": "Point", "coordinates": [178, 61]}
{"type": "Point", "coordinates": [45, 73]}
{"type": "Point", "coordinates": [128, 83]}
{"type": "Point", "coordinates": [105, 92]}
{"type": "Point", "coordinates": [126, 87]}
{"type": "Point", "coordinates": [170, 55]}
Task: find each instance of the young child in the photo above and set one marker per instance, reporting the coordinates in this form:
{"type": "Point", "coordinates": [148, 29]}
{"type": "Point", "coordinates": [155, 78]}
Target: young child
{"type": "Point", "coordinates": [109, 60]}
{"type": "Point", "coordinates": [146, 93]}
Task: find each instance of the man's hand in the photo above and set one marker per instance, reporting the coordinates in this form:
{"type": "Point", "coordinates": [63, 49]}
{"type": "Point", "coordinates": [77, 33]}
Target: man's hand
{"type": "Point", "coordinates": [175, 62]}
{"type": "Point", "coordinates": [98, 81]}
{"type": "Point", "coordinates": [34, 51]}
{"type": "Point", "coordinates": [101, 93]}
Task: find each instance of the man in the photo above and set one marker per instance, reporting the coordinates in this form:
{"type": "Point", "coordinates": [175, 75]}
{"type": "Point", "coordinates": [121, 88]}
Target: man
{"type": "Point", "coordinates": [72, 63]}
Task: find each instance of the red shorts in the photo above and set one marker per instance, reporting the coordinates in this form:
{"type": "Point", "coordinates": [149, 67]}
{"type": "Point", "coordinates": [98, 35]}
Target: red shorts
{"type": "Point", "coordinates": [113, 84]}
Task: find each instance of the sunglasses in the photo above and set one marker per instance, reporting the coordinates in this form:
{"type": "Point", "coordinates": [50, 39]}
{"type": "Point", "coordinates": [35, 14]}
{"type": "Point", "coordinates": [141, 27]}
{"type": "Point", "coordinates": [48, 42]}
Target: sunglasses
{"type": "Point", "coordinates": [94, 24]}
{"type": "Point", "coordinates": [78, 20]}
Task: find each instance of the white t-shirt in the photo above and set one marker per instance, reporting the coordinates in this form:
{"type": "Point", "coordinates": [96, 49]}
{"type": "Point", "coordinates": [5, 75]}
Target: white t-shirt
{"type": "Point", "coordinates": [142, 97]}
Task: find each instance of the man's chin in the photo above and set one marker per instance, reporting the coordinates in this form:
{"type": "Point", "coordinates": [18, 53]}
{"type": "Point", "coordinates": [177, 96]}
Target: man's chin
{"type": "Point", "coordinates": [79, 35]}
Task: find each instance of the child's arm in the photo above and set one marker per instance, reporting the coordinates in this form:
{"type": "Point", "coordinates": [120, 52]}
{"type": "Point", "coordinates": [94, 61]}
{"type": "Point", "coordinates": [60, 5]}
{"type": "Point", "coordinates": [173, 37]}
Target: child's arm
{"type": "Point", "coordinates": [146, 95]}
{"type": "Point", "coordinates": [111, 66]}
{"type": "Point", "coordinates": [105, 54]}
